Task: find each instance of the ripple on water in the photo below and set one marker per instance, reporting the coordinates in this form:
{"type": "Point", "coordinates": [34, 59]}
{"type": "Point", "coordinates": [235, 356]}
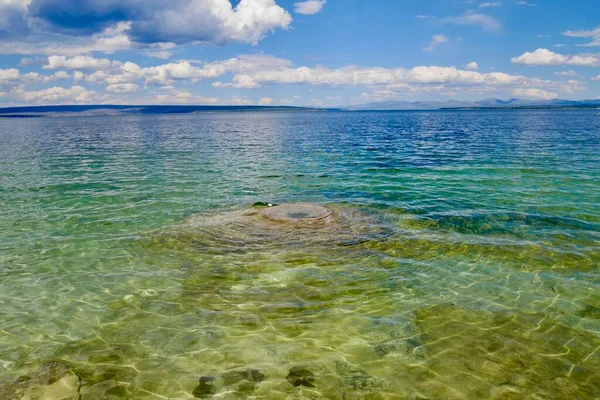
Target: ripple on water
{"type": "Point", "coordinates": [461, 263]}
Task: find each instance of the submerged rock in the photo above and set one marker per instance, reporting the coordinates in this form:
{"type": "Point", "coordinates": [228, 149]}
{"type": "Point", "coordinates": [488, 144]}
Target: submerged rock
{"type": "Point", "coordinates": [301, 376]}
{"type": "Point", "coordinates": [287, 226]}
{"type": "Point", "coordinates": [355, 377]}
{"type": "Point", "coordinates": [53, 380]}
{"type": "Point", "coordinates": [206, 387]}
{"type": "Point", "coordinates": [251, 375]}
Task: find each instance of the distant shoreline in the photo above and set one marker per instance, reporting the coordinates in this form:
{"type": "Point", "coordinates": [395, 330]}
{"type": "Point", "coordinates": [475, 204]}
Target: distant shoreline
{"type": "Point", "coordinates": [115, 110]}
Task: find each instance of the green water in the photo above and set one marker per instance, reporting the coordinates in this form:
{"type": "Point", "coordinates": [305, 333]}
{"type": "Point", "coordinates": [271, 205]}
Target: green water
{"type": "Point", "coordinates": [469, 267]}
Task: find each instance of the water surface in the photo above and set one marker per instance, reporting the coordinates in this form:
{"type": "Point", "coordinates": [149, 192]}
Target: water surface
{"type": "Point", "coordinates": [472, 270]}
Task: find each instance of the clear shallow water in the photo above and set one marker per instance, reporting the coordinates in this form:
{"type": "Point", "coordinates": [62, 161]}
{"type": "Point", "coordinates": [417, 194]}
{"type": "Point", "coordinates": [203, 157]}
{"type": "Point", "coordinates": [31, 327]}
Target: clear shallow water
{"type": "Point", "coordinates": [471, 270]}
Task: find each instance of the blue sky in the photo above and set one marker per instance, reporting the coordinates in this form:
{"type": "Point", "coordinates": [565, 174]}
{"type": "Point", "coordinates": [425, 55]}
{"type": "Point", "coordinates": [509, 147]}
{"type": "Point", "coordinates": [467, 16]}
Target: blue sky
{"type": "Point", "coordinates": [285, 52]}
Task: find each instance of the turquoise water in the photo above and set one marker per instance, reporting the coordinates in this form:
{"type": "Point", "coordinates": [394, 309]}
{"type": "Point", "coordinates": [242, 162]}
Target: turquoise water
{"type": "Point", "coordinates": [469, 267]}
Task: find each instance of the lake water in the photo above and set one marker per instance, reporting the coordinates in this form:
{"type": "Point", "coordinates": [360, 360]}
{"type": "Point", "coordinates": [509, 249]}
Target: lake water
{"type": "Point", "coordinates": [469, 269]}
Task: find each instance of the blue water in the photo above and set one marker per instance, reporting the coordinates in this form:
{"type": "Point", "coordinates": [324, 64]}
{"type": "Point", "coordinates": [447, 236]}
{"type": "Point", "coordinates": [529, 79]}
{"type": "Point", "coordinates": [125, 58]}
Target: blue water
{"type": "Point", "coordinates": [468, 267]}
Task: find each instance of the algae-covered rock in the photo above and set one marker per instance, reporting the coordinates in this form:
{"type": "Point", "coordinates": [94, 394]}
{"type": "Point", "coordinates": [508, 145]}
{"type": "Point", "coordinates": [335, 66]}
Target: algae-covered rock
{"type": "Point", "coordinates": [206, 387]}
{"type": "Point", "coordinates": [235, 376]}
{"type": "Point", "coordinates": [354, 377]}
{"type": "Point", "coordinates": [301, 376]}
{"type": "Point", "coordinates": [53, 380]}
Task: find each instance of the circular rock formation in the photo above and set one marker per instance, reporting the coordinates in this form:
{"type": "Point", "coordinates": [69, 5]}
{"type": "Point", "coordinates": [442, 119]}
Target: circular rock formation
{"type": "Point", "coordinates": [265, 226]}
{"type": "Point", "coordinates": [299, 213]}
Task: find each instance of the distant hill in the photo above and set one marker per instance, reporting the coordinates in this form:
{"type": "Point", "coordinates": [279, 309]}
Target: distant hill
{"type": "Point", "coordinates": [487, 103]}
{"type": "Point", "coordinates": [99, 109]}
{"type": "Point", "coordinates": [89, 110]}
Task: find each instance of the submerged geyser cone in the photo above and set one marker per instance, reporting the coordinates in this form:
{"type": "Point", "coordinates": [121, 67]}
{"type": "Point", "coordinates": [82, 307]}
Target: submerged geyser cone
{"type": "Point", "coordinates": [287, 226]}
{"type": "Point", "coordinates": [299, 213]}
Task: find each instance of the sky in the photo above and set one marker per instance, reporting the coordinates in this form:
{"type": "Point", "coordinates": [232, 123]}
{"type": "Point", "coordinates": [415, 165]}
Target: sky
{"type": "Point", "coordinates": [323, 53]}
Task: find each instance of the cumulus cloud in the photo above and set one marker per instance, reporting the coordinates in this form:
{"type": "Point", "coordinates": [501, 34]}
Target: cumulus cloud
{"type": "Point", "coordinates": [254, 71]}
{"type": "Point", "coordinates": [81, 63]}
{"type": "Point", "coordinates": [473, 66]}
{"type": "Point", "coordinates": [309, 7]}
{"type": "Point", "coordinates": [108, 41]}
{"type": "Point", "coordinates": [69, 28]}
{"type": "Point", "coordinates": [567, 73]}
{"type": "Point", "coordinates": [532, 93]}
{"type": "Point", "coordinates": [482, 21]}
{"type": "Point", "coordinates": [436, 41]}
{"type": "Point", "coordinates": [155, 21]}
{"type": "Point", "coordinates": [490, 4]}
{"type": "Point", "coordinates": [265, 101]}
{"type": "Point", "coordinates": [57, 95]}
{"type": "Point", "coordinates": [593, 34]}
{"type": "Point", "coordinates": [12, 77]}
{"type": "Point", "coordinates": [547, 57]}
{"type": "Point", "coordinates": [122, 88]}
{"type": "Point", "coordinates": [391, 82]}
{"type": "Point", "coordinates": [12, 15]}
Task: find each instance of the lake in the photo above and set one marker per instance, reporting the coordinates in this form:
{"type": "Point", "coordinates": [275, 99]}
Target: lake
{"type": "Point", "coordinates": [468, 266]}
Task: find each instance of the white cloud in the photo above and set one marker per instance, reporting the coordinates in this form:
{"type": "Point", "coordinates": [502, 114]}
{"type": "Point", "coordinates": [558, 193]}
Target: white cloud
{"type": "Point", "coordinates": [490, 4]}
{"type": "Point", "coordinates": [176, 97]}
{"type": "Point", "coordinates": [122, 88]}
{"type": "Point", "coordinates": [436, 41]}
{"type": "Point", "coordinates": [265, 101]}
{"type": "Point", "coordinates": [547, 57]}
{"type": "Point", "coordinates": [596, 78]}
{"type": "Point", "coordinates": [56, 76]}
{"type": "Point", "coordinates": [526, 4]}
{"type": "Point", "coordinates": [567, 73]}
{"type": "Point", "coordinates": [12, 77]}
{"type": "Point", "coordinates": [482, 21]}
{"type": "Point", "coordinates": [257, 70]}
{"type": "Point", "coordinates": [309, 7]}
{"type": "Point", "coordinates": [215, 21]}
{"type": "Point", "coordinates": [168, 73]}
{"type": "Point", "coordinates": [81, 63]}
{"type": "Point", "coordinates": [52, 27]}
{"type": "Point", "coordinates": [163, 54]}
{"type": "Point", "coordinates": [391, 82]}
{"type": "Point", "coordinates": [242, 101]}
{"type": "Point", "coordinates": [532, 93]}
{"type": "Point", "coordinates": [422, 16]}
{"type": "Point", "coordinates": [56, 95]}
{"type": "Point", "coordinates": [473, 66]}
{"type": "Point", "coordinates": [593, 34]}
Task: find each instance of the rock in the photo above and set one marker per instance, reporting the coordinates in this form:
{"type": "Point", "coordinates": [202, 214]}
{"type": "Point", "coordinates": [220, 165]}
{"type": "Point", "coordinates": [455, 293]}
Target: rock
{"type": "Point", "coordinates": [251, 375]}
{"type": "Point", "coordinates": [301, 376]}
{"type": "Point", "coordinates": [205, 387]}
{"type": "Point", "coordinates": [355, 377]}
{"type": "Point", "coordinates": [53, 380]}
{"type": "Point", "coordinates": [233, 377]}
{"type": "Point", "coordinates": [257, 376]}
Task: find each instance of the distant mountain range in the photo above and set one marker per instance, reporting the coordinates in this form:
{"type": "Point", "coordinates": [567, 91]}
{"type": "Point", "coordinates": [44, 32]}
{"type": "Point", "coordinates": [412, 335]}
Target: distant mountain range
{"type": "Point", "coordinates": [95, 110]}
{"type": "Point", "coordinates": [98, 110]}
{"type": "Point", "coordinates": [487, 103]}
